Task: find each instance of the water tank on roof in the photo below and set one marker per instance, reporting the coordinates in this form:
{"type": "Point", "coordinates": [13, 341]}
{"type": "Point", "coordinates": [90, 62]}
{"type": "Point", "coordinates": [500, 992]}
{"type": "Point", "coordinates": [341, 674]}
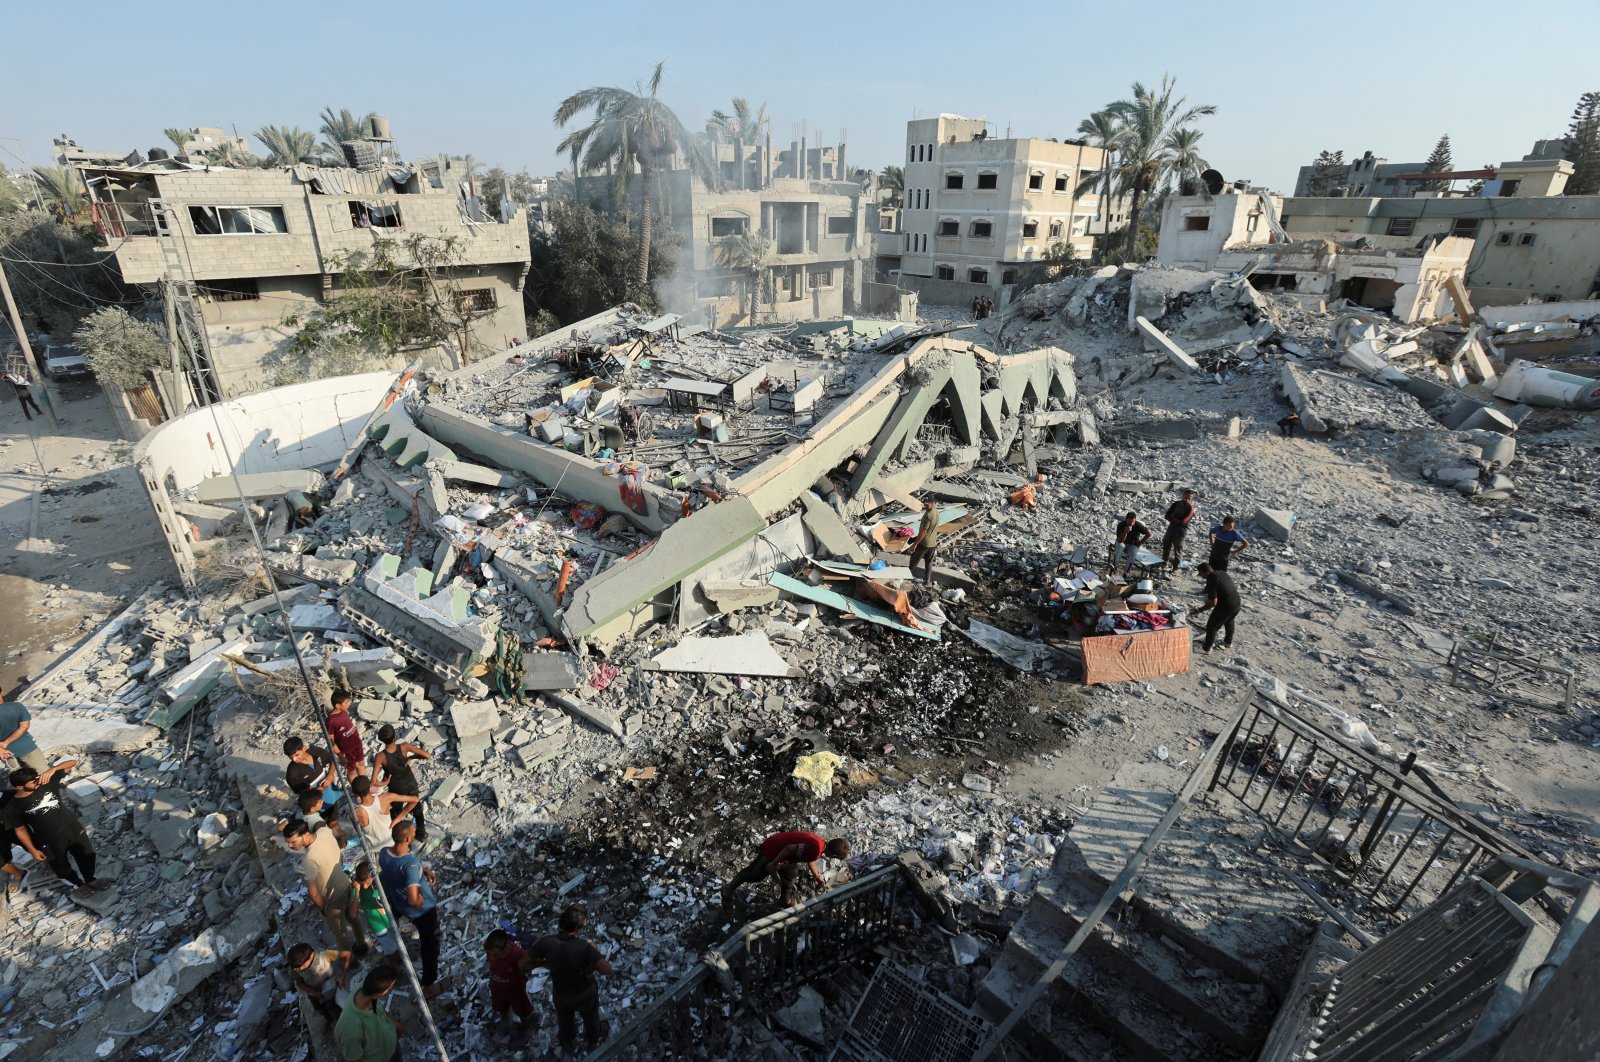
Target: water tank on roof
{"type": "Point", "coordinates": [310, 160]}
{"type": "Point", "coordinates": [159, 154]}
{"type": "Point", "coordinates": [378, 128]}
{"type": "Point", "coordinates": [1213, 181]}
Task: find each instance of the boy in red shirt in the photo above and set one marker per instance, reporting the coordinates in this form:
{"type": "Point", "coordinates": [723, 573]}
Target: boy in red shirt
{"type": "Point", "coordinates": [345, 736]}
{"type": "Point", "coordinates": [509, 967]}
{"type": "Point", "coordinates": [784, 854]}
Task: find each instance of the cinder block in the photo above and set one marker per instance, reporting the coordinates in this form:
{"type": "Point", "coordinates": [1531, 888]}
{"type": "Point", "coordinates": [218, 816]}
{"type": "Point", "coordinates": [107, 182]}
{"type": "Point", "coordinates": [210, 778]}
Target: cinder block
{"type": "Point", "coordinates": [447, 789]}
{"type": "Point", "coordinates": [1279, 523]}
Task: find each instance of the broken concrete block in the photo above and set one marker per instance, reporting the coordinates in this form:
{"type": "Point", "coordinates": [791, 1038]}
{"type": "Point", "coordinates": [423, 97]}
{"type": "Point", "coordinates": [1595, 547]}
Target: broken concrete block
{"type": "Point", "coordinates": [473, 718]}
{"type": "Point", "coordinates": [447, 789]}
{"type": "Point", "coordinates": [378, 711]}
{"type": "Point", "coordinates": [732, 596]}
{"type": "Point", "coordinates": [594, 715]}
{"type": "Point", "coordinates": [551, 671]}
{"type": "Point", "coordinates": [315, 617]}
{"type": "Point", "coordinates": [743, 654]}
{"type": "Point", "coordinates": [830, 531]}
{"type": "Point", "coordinates": [1175, 353]}
{"type": "Point", "coordinates": [1276, 522]}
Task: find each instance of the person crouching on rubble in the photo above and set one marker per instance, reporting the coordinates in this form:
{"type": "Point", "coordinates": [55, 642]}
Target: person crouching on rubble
{"type": "Point", "coordinates": [783, 854]}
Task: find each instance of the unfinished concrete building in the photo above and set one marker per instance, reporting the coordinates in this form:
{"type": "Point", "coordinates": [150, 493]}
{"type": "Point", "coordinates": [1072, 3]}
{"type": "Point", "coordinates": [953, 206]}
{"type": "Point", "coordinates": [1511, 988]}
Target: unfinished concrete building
{"type": "Point", "coordinates": [263, 246]}
{"type": "Point", "coordinates": [978, 209]}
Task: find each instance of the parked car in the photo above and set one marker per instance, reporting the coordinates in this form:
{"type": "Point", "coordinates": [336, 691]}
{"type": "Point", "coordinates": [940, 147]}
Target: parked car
{"type": "Point", "coordinates": [64, 361]}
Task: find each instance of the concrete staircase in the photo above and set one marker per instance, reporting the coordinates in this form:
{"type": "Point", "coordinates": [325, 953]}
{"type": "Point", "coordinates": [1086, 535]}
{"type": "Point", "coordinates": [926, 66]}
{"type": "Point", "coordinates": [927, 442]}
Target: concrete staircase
{"type": "Point", "coordinates": [1145, 985]}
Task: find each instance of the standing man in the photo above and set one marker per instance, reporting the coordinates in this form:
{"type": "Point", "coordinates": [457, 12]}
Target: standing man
{"type": "Point", "coordinates": [1178, 515]}
{"type": "Point", "coordinates": [1222, 600]}
{"type": "Point", "coordinates": [311, 770]}
{"type": "Point", "coordinates": [47, 829]}
{"type": "Point", "coordinates": [391, 768]}
{"type": "Point", "coordinates": [1131, 534]}
{"type": "Point", "coordinates": [925, 547]}
{"type": "Point", "coordinates": [783, 854]}
{"type": "Point", "coordinates": [24, 394]}
{"type": "Point", "coordinates": [327, 883]}
{"type": "Point", "coordinates": [366, 1032]}
{"type": "Point", "coordinates": [573, 962]}
{"type": "Point", "coordinates": [1226, 541]}
{"type": "Point", "coordinates": [344, 736]}
{"type": "Point", "coordinates": [409, 886]}
{"type": "Point", "coordinates": [17, 744]}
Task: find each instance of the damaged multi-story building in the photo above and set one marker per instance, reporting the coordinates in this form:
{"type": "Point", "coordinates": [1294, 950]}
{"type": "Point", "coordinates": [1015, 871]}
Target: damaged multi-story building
{"type": "Point", "coordinates": [980, 209]}
{"type": "Point", "coordinates": [264, 247]}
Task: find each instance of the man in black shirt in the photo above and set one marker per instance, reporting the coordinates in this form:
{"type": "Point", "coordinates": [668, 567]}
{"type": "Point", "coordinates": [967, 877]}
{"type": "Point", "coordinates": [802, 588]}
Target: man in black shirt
{"type": "Point", "coordinates": [38, 817]}
{"type": "Point", "coordinates": [1178, 516]}
{"type": "Point", "coordinates": [311, 770]}
{"type": "Point", "coordinates": [1222, 599]}
{"type": "Point", "coordinates": [1131, 534]}
{"type": "Point", "coordinates": [573, 962]}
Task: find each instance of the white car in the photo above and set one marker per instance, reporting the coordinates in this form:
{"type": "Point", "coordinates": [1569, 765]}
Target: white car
{"type": "Point", "coordinates": [63, 361]}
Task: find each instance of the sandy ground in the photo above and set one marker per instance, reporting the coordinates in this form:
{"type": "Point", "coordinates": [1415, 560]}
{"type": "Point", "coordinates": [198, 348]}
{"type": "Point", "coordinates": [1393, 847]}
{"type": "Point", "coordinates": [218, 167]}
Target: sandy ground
{"type": "Point", "coordinates": [76, 534]}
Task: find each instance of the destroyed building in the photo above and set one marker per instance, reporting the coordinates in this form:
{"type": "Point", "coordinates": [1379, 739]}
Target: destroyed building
{"type": "Point", "coordinates": [263, 246]}
{"type": "Point", "coordinates": [978, 208]}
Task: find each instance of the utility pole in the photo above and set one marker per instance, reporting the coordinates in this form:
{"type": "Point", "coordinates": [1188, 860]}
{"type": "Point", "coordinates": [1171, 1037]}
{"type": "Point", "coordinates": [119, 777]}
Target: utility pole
{"type": "Point", "coordinates": [27, 349]}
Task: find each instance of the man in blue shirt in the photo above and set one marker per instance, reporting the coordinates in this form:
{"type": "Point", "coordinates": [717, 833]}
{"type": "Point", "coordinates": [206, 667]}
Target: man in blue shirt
{"type": "Point", "coordinates": [15, 741]}
{"type": "Point", "coordinates": [1226, 541]}
{"type": "Point", "coordinates": [409, 887]}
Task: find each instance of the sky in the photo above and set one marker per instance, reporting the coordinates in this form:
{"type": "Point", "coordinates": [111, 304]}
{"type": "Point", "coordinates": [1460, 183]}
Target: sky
{"type": "Point", "coordinates": [1288, 80]}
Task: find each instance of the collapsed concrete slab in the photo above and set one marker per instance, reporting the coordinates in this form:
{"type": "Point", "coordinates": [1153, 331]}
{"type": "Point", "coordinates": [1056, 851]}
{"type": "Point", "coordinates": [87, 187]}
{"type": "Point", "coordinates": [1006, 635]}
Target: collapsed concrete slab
{"type": "Point", "coordinates": [1176, 354]}
{"type": "Point", "coordinates": [741, 654]}
{"type": "Point", "coordinates": [431, 629]}
{"type": "Point", "coordinates": [257, 485]}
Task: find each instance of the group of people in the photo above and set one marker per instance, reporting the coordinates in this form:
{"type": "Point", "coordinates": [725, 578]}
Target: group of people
{"type": "Point", "coordinates": [982, 307]}
{"type": "Point", "coordinates": [1226, 541]}
{"type": "Point", "coordinates": [385, 804]}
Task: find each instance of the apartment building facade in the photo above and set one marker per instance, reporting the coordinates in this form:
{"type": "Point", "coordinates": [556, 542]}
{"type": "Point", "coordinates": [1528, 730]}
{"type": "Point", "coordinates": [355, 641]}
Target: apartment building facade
{"type": "Point", "coordinates": [267, 246]}
{"type": "Point", "coordinates": [977, 210]}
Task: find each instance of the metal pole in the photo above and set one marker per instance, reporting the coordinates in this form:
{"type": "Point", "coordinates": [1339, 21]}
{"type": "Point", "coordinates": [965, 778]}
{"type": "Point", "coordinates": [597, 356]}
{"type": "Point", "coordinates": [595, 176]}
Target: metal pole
{"type": "Point", "coordinates": [27, 347]}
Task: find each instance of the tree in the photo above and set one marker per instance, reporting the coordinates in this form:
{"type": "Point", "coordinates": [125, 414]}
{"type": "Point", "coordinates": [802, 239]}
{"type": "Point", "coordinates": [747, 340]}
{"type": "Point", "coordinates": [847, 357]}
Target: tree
{"type": "Point", "coordinates": [58, 275]}
{"type": "Point", "coordinates": [893, 181]}
{"type": "Point", "coordinates": [496, 184]}
{"type": "Point", "coordinates": [1327, 174]}
{"type": "Point", "coordinates": [584, 262]}
{"type": "Point", "coordinates": [1148, 118]}
{"type": "Point", "coordinates": [60, 191]}
{"type": "Point", "coordinates": [179, 138]}
{"type": "Point", "coordinates": [285, 144]}
{"type": "Point", "coordinates": [745, 123]}
{"type": "Point", "coordinates": [628, 130]}
{"type": "Point", "coordinates": [1104, 131]}
{"type": "Point", "coordinates": [1181, 158]}
{"type": "Point", "coordinates": [337, 128]}
{"type": "Point", "coordinates": [745, 254]}
{"type": "Point", "coordinates": [1438, 162]}
{"type": "Point", "coordinates": [1583, 146]}
{"type": "Point", "coordinates": [121, 349]}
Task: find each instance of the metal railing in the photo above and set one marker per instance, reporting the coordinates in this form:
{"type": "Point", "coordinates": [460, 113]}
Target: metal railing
{"type": "Point", "coordinates": [757, 965]}
{"type": "Point", "coordinates": [1383, 839]}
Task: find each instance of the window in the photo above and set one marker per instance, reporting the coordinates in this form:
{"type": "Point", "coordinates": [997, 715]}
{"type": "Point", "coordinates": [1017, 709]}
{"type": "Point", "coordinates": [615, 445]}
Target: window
{"type": "Point", "coordinates": [949, 227]}
{"type": "Point", "coordinates": [945, 272]}
{"type": "Point", "coordinates": [1061, 182]}
{"type": "Point", "coordinates": [1464, 227]}
{"type": "Point", "coordinates": [1055, 229]}
{"type": "Point", "coordinates": [1030, 230]}
{"type": "Point", "coordinates": [476, 300]}
{"type": "Point", "coordinates": [241, 290]}
{"type": "Point", "coordinates": [911, 154]}
{"type": "Point", "coordinates": [841, 225]}
{"type": "Point", "coordinates": [988, 180]}
{"type": "Point", "coordinates": [1504, 239]}
{"type": "Point", "coordinates": [1035, 181]}
{"type": "Point", "coordinates": [238, 221]}
{"type": "Point", "coordinates": [1008, 277]}
{"type": "Point", "coordinates": [1197, 223]}
{"type": "Point", "coordinates": [819, 278]}
{"type": "Point", "coordinates": [373, 215]}
{"type": "Point", "coordinates": [952, 181]}
{"type": "Point", "coordinates": [1401, 226]}
{"type": "Point", "coordinates": [724, 227]}
{"type": "Point", "coordinates": [978, 276]}
{"type": "Point", "coordinates": [982, 230]}
{"type": "Point", "coordinates": [1526, 239]}
{"type": "Point", "coordinates": [1509, 187]}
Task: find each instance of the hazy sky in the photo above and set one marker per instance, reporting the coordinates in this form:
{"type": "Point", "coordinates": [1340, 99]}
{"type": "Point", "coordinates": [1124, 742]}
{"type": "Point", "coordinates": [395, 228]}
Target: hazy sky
{"type": "Point", "coordinates": [1288, 79]}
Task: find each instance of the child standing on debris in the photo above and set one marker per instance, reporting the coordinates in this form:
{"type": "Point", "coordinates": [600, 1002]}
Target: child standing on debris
{"type": "Point", "coordinates": [344, 736]}
{"type": "Point", "coordinates": [366, 909]}
{"type": "Point", "coordinates": [509, 967]}
{"type": "Point", "coordinates": [391, 768]}
{"type": "Point", "coordinates": [925, 547]}
{"type": "Point", "coordinates": [573, 962]}
{"type": "Point", "coordinates": [37, 816]}
{"type": "Point", "coordinates": [321, 975]}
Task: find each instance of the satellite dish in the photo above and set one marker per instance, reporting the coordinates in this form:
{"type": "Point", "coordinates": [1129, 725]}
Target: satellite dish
{"type": "Point", "coordinates": [1214, 181]}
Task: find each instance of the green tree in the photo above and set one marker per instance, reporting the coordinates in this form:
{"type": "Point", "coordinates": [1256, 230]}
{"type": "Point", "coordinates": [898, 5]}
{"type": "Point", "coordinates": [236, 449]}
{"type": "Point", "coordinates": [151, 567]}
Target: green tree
{"type": "Point", "coordinates": [1103, 130]}
{"type": "Point", "coordinates": [179, 137]}
{"type": "Point", "coordinates": [1327, 174]}
{"type": "Point", "coordinates": [744, 126]}
{"type": "Point", "coordinates": [1439, 161]}
{"type": "Point", "coordinates": [13, 196]}
{"type": "Point", "coordinates": [338, 127]}
{"type": "Point", "coordinates": [628, 130]}
{"type": "Point", "coordinates": [121, 349]}
{"type": "Point", "coordinates": [1148, 118]}
{"type": "Point", "coordinates": [60, 191]}
{"type": "Point", "coordinates": [892, 185]}
{"type": "Point", "coordinates": [746, 254]}
{"type": "Point", "coordinates": [58, 275]}
{"type": "Point", "coordinates": [1583, 146]}
{"type": "Point", "coordinates": [285, 144]}
{"type": "Point", "coordinates": [584, 263]}
{"type": "Point", "coordinates": [1180, 157]}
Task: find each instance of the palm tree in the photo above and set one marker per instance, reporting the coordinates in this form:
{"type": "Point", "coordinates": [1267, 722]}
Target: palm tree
{"type": "Point", "coordinates": [60, 191]}
{"type": "Point", "coordinates": [743, 126]}
{"type": "Point", "coordinates": [1181, 158]}
{"type": "Point", "coordinates": [1104, 131]}
{"type": "Point", "coordinates": [337, 128]}
{"type": "Point", "coordinates": [632, 129]}
{"type": "Point", "coordinates": [1148, 118]}
{"type": "Point", "coordinates": [746, 253]}
{"type": "Point", "coordinates": [893, 181]}
{"type": "Point", "coordinates": [230, 154]}
{"type": "Point", "coordinates": [179, 138]}
{"type": "Point", "coordinates": [285, 144]}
